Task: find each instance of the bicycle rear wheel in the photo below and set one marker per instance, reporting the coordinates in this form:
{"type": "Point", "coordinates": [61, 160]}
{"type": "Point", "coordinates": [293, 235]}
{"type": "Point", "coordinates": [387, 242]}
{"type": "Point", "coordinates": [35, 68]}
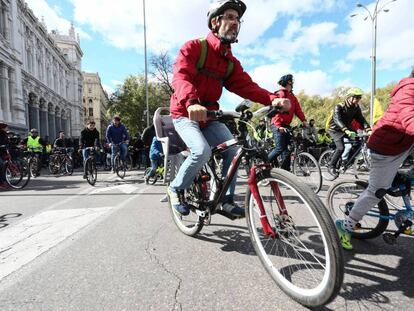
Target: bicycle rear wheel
{"type": "Point", "coordinates": [340, 200]}
{"type": "Point", "coordinates": [69, 165]}
{"type": "Point", "coordinates": [307, 169]}
{"type": "Point", "coordinates": [17, 173]}
{"type": "Point", "coordinates": [34, 163]}
{"type": "Point", "coordinates": [304, 258]}
{"type": "Point", "coordinates": [91, 171]}
{"type": "Point", "coordinates": [191, 224]}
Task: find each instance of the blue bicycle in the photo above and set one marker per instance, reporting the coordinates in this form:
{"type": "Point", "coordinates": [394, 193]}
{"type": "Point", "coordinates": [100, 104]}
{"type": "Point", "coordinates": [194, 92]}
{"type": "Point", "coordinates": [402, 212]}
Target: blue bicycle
{"type": "Point", "coordinates": [396, 206]}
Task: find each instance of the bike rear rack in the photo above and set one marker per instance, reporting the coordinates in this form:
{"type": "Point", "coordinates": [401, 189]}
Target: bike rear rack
{"type": "Point", "coordinates": [172, 145]}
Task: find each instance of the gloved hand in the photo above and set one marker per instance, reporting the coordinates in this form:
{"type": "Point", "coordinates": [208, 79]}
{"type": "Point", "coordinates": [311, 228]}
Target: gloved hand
{"type": "Point", "coordinates": [350, 134]}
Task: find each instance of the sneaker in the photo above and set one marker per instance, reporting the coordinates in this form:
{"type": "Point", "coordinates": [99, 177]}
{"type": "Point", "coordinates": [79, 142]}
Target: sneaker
{"type": "Point", "coordinates": [331, 174]}
{"type": "Point", "coordinates": [84, 176]}
{"type": "Point", "coordinates": [233, 209]}
{"type": "Point", "coordinates": [344, 235]}
{"type": "Point", "coordinates": [180, 207]}
{"type": "Point", "coordinates": [113, 171]}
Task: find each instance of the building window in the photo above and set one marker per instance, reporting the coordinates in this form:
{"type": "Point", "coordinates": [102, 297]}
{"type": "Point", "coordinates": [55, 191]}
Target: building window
{"type": "Point", "coordinates": [90, 90]}
{"type": "Point", "coordinates": [91, 112]}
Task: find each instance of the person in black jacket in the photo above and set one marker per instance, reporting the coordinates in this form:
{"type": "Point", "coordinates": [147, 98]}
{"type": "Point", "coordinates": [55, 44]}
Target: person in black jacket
{"type": "Point", "coordinates": [340, 126]}
{"type": "Point", "coordinates": [89, 138]}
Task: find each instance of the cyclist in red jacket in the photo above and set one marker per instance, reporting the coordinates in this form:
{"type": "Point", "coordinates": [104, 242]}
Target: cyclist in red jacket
{"type": "Point", "coordinates": [391, 142]}
{"type": "Point", "coordinates": [281, 122]}
{"type": "Point", "coordinates": [201, 70]}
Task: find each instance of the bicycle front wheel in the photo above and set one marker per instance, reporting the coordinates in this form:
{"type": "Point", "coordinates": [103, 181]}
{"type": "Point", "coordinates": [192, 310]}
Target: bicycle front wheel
{"type": "Point", "coordinates": [17, 173]}
{"type": "Point", "coordinates": [340, 200]}
{"type": "Point", "coordinates": [120, 167]}
{"type": "Point", "coordinates": [308, 170]}
{"type": "Point", "coordinates": [304, 256]}
{"type": "Point", "coordinates": [325, 158]}
{"type": "Point", "coordinates": [91, 171]}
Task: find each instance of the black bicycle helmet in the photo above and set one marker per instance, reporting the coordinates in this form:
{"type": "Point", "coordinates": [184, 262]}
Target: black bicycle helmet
{"type": "Point", "coordinates": [285, 79]}
{"type": "Point", "coordinates": [218, 8]}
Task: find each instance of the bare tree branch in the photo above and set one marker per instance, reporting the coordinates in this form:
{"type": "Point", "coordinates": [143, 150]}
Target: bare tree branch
{"type": "Point", "coordinates": [162, 70]}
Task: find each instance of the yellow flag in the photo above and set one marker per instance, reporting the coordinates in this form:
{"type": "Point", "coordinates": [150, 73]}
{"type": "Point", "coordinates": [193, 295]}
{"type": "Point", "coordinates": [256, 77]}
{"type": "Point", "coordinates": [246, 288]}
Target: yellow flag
{"type": "Point", "coordinates": [378, 111]}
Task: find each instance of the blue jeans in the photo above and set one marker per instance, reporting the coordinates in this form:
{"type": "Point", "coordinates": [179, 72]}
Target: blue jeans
{"type": "Point", "coordinates": [124, 152]}
{"type": "Point", "coordinates": [282, 141]}
{"type": "Point", "coordinates": [200, 141]}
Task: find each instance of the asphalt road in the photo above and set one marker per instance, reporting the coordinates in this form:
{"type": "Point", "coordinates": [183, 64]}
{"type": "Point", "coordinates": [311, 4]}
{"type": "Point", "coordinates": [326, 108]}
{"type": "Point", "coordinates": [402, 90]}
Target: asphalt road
{"type": "Point", "coordinates": [115, 247]}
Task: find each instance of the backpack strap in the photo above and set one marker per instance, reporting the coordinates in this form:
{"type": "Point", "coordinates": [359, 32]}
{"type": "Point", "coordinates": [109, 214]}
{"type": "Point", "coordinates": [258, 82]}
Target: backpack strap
{"type": "Point", "coordinates": [202, 60]}
{"type": "Point", "coordinates": [203, 54]}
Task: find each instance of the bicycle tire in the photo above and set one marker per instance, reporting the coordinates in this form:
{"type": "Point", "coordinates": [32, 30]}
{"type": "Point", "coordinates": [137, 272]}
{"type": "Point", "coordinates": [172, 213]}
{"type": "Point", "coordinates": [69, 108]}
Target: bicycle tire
{"type": "Point", "coordinates": [69, 165]}
{"type": "Point", "coordinates": [325, 158]}
{"type": "Point", "coordinates": [52, 165]}
{"type": "Point", "coordinates": [91, 171]}
{"type": "Point", "coordinates": [23, 177]}
{"type": "Point", "coordinates": [34, 166]}
{"type": "Point", "coordinates": [326, 245]}
{"type": "Point", "coordinates": [306, 167]}
{"type": "Point", "coordinates": [119, 167]}
{"type": "Point", "coordinates": [340, 199]}
{"type": "Point", "coordinates": [149, 180]}
{"type": "Point", "coordinates": [192, 224]}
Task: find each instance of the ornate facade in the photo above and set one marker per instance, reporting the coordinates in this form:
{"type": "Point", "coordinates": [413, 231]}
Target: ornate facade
{"type": "Point", "coordinates": [40, 74]}
{"type": "Point", "coordinates": [95, 101]}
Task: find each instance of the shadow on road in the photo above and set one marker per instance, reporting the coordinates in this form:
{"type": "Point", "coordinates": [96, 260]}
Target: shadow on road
{"type": "Point", "coordinates": [386, 279]}
{"type": "Point", "coordinates": [232, 238]}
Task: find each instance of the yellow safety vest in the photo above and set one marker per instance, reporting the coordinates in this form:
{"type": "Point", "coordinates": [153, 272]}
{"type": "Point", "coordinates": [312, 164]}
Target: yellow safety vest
{"type": "Point", "coordinates": [34, 144]}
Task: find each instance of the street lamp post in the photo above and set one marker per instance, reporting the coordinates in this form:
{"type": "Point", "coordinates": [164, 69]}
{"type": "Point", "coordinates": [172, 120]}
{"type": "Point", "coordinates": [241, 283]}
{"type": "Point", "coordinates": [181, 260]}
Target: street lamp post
{"type": "Point", "coordinates": [146, 65]}
{"type": "Point", "coordinates": [373, 16]}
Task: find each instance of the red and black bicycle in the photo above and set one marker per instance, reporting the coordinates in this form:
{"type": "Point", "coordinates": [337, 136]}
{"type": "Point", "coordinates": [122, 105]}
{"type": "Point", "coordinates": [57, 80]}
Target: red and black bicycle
{"type": "Point", "coordinates": [290, 229]}
{"type": "Point", "coordinates": [16, 172]}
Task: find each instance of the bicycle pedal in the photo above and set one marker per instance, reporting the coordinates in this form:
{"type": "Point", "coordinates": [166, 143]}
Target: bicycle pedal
{"type": "Point", "coordinates": [201, 213]}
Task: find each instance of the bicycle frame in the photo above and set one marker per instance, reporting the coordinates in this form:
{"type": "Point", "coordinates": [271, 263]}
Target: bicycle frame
{"type": "Point", "coordinates": [223, 185]}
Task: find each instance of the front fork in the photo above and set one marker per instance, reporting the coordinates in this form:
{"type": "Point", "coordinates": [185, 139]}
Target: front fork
{"type": "Point", "coordinates": [252, 181]}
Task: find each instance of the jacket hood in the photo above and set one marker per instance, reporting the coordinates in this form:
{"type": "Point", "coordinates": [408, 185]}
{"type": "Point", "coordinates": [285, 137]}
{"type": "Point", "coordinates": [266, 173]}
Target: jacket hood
{"type": "Point", "coordinates": [401, 84]}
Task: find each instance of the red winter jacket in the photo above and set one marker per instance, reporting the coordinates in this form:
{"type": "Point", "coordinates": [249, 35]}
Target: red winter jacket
{"type": "Point", "coordinates": [394, 132]}
{"type": "Point", "coordinates": [189, 84]}
{"type": "Point", "coordinates": [284, 119]}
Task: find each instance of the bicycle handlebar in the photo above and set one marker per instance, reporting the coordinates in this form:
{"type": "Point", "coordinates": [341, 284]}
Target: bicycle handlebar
{"type": "Point", "coordinates": [222, 115]}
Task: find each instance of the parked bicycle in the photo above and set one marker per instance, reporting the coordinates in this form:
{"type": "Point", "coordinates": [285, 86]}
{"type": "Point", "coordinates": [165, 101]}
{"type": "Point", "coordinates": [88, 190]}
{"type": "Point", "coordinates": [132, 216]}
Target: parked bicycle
{"type": "Point", "coordinates": [342, 196]}
{"type": "Point", "coordinates": [358, 158]}
{"type": "Point", "coordinates": [16, 172]}
{"type": "Point", "coordinates": [89, 167]}
{"type": "Point", "coordinates": [60, 161]}
{"type": "Point", "coordinates": [290, 229]}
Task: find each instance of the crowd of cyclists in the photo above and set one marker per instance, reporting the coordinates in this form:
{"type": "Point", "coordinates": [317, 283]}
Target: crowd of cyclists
{"type": "Point", "coordinates": [135, 151]}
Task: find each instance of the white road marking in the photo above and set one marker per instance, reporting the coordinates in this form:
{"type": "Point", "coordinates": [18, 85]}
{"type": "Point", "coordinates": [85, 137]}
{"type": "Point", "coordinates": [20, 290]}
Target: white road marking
{"type": "Point", "coordinates": [28, 239]}
{"type": "Point", "coordinates": [127, 188]}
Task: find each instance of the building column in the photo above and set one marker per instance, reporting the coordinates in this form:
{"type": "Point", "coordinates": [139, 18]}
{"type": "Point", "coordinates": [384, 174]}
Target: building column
{"type": "Point", "coordinates": [52, 127]}
{"type": "Point", "coordinates": [58, 124]}
{"type": "Point", "coordinates": [34, 116]}
{"type": "Point", "coordinates": [5, 92]}
{"type": "Point", "coordinates": [44, 122]}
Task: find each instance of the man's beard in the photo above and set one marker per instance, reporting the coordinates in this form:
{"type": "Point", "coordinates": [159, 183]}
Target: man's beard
{"type": "Point", "coordinates": [229, 35]}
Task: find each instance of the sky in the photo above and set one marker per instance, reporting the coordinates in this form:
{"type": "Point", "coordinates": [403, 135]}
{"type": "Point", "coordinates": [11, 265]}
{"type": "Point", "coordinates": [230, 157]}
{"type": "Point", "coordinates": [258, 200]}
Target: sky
{"type": "Point", "coordinates": [315, 40]}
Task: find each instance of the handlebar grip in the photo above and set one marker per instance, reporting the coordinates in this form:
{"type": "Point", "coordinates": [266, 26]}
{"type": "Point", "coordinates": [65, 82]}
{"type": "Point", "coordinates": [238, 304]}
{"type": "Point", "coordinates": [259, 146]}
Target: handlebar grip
{"type": "Point", "coordinates": [273, 111]}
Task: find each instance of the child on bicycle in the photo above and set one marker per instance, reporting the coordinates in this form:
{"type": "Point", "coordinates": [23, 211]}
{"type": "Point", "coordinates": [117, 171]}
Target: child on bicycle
{"type": "Point", "coordinates": [155, 156]}
{"type": "Point", "coordinates": [391, 142]}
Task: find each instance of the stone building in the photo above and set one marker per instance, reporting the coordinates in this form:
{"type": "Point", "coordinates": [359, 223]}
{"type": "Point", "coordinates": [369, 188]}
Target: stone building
{"type": "Point", "coordinates": [40, 74]}
{"type": "Point", "coordinates": [95, 102]}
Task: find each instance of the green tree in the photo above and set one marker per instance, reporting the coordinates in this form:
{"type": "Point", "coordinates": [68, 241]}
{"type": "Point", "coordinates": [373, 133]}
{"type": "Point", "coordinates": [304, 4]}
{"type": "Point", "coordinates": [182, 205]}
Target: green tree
{"type": "Point", "coordinates": [128, 101]}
